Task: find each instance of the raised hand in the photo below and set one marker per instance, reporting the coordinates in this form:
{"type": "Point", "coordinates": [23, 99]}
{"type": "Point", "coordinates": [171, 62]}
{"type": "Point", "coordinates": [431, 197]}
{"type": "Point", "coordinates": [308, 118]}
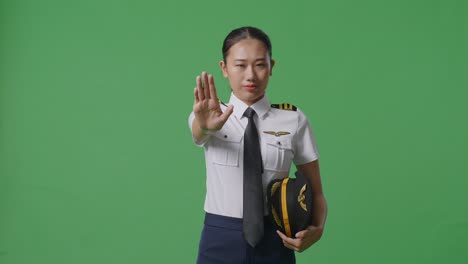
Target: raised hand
{"type": "Point", "coordinates": [206, 107]}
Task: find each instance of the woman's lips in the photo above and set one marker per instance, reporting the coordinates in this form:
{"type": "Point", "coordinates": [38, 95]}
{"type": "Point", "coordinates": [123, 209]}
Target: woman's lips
{"type": "Point", "coordinates": [250, 87]}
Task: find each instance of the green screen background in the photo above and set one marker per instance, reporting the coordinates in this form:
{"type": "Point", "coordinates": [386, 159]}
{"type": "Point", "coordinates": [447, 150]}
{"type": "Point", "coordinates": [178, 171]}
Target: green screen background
{"type": "Point", "coordinates": [96, 159]}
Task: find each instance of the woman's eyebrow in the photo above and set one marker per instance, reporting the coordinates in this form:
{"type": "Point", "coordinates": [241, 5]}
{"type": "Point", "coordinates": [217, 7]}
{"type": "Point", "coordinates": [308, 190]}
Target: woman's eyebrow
{"type": "Point", "coordinates": [258, 59]}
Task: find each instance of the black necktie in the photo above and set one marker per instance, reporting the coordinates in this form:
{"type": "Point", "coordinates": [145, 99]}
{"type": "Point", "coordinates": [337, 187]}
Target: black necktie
{"type": "Point", "coordinates": [253, 189]}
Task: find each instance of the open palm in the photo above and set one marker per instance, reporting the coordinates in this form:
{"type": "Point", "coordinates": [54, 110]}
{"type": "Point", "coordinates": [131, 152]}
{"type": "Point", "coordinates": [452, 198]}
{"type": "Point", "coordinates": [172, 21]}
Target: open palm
{"type": "Point", "coordinates": [207, 107]}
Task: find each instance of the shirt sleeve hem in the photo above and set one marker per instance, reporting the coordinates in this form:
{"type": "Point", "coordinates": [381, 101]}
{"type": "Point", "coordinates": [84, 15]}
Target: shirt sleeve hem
{"type": "Point", "coordinates": [202, 142]}
{"type": "Point", "coordinates": [305, 161]}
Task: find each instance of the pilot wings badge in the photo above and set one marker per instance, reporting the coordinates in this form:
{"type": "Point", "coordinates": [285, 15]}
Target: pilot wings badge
{"type": "Point", "coordinates": [277, 134]}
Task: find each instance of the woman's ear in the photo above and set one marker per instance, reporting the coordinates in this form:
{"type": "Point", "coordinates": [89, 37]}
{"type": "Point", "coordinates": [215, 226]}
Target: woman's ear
{"type": "Point", "coordinates": [272, 62]}
{"type": "Point", "coordinates": [222, 64]}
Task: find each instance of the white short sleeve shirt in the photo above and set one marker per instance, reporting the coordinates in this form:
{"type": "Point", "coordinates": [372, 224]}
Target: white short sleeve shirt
{"type": "Point", "coordinates": [286, 137]}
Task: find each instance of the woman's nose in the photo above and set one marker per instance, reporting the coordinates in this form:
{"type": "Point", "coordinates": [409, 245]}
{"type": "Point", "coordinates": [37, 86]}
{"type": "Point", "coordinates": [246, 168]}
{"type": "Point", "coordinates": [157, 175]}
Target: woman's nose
{"type": "Point", "coordinates": [250, 73]}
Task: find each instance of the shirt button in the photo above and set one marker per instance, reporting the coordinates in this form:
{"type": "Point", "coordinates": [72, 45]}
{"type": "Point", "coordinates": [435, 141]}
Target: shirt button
{"type": "Point", "coordinates": [225, 136]}
{"type": "Point", "coordinates": [279, 143]}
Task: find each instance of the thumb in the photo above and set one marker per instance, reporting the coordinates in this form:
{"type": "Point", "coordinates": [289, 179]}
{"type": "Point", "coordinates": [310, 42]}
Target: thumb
{"type": "Point", "coordinates": [227, 113]}
{"type": "Point", "coordinates": [301, 234]}
{"type": "Point", "coordinates": [310, 229]}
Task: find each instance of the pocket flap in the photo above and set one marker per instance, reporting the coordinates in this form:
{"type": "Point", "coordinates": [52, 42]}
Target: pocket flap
{"type": "Point", "coordinates": [279, 142]}
{"type": "Point", "coordinates": [228, 136]}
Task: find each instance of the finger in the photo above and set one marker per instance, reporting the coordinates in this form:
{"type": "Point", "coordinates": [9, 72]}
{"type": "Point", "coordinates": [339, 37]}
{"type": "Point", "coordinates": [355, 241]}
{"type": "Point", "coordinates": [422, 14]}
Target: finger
{"type": "Point", "coordinates": [294, 242]}
{"type": "Point", "coordinates": [291, 241]}
{"type": "Point", "coordinates": [290, 246]}
{"type": "Point", "coordinates": [310, 230]}
{"type": "Point", "coordinates": [302, 234]}
{"type": "Point", "coordinates": [213, 94]}
{"type": "Point", "coordinates": [227, 113]}
{"type": "Point", "coordinates": [195, 95]}
{"type": "Point", "coordinates": [206, 85]}
{"type": "Point", "coordinates": [200, 93]}
{"type": "Point", "coordinates": [283, 236]}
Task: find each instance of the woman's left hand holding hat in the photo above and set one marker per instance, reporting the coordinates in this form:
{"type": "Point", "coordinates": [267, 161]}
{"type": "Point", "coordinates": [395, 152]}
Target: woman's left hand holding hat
{"type": "Point", "coordinates": [304, 239]}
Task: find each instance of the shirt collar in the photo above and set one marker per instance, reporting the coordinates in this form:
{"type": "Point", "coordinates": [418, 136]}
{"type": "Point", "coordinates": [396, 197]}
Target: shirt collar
{"type": "Point", "coordinates": [261, 107]}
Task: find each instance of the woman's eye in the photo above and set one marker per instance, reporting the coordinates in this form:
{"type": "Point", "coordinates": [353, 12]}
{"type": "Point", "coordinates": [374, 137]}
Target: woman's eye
{"type": "Point", "coordinates": [239, 65]}
{"type": "Point", "coordinates": [261, 65]}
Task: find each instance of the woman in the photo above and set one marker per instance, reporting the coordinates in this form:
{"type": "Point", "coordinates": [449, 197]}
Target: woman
{"type": "Point", "coordinates": [247, 144]}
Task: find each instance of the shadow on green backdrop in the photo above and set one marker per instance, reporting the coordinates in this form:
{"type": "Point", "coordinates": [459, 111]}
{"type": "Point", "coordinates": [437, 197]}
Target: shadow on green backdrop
{"type": "Point", "coordinates": [96, 159]}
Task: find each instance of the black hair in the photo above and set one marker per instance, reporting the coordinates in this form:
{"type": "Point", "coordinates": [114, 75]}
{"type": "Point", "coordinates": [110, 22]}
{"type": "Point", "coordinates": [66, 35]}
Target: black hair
{"type": "Point", "coordinates": [241, 33]}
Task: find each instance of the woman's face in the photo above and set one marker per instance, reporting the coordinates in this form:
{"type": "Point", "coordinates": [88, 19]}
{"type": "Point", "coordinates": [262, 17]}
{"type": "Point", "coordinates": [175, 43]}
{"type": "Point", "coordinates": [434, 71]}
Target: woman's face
{"type": "Point", "coordinates": [248, 67]}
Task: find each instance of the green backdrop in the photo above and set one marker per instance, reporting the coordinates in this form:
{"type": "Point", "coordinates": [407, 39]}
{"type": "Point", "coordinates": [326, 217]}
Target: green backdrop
{"type": "Point", "coordinates": [96, 159]}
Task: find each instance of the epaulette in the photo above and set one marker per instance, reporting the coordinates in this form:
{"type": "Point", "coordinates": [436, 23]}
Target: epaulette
{"type": "Point", "coordinates": [284, 106]}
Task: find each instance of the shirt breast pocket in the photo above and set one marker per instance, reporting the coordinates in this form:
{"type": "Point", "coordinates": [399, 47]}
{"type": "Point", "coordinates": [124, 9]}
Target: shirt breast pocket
{"type": "Point", "coordinates": [227, 148]}
{"type": "Point", "coordinates": [278, 153]}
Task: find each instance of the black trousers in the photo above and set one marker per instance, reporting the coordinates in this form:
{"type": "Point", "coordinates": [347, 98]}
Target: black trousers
{"type": "Point", "coordinates": [222, 242]}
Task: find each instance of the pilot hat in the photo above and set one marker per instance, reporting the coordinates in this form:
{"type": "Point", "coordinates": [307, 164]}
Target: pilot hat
{"type": "Point", "coordinates": [290, 203]}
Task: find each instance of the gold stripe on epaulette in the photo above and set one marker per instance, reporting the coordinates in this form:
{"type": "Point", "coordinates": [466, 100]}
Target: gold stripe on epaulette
{"type": "Point", "coordinates": [285, 106]}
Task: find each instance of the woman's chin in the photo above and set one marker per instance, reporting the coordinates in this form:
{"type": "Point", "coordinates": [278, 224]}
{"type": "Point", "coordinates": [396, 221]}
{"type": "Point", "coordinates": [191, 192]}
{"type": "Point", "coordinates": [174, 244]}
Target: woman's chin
{"type": "Point", "coordinates": [250, 97]}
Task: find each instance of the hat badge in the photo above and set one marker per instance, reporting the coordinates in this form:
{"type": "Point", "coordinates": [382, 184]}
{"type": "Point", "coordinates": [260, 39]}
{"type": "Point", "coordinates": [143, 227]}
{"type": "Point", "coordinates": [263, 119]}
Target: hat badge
{"type": "Point", "coordinates": [301, 198]}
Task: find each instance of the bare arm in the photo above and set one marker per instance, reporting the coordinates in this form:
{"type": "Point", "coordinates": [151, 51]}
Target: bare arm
{"type": "Point", "coordinates": [207, 109]}
{"type": "Point", "coordinates": [306, 238]}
